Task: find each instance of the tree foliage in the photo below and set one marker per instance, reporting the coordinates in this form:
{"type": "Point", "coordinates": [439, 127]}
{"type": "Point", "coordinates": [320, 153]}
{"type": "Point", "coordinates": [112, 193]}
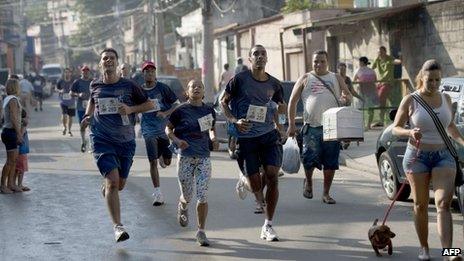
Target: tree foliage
{"type": "Point", "coordinates": [299, 5]}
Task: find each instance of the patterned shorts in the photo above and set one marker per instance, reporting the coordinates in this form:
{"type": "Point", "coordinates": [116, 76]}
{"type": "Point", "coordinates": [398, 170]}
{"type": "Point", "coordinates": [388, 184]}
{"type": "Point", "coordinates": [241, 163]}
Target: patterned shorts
{"type": "Point", "coordinates": [193, 173]}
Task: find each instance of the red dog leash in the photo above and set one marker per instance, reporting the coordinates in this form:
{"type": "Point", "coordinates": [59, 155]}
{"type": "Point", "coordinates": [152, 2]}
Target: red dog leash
{"type": "Point", "coordinates": [402, 186]}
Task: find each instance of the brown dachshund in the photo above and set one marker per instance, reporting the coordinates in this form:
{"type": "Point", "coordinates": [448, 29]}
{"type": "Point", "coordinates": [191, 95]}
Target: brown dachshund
{"type": "Point", "coordinates": [380, 237]}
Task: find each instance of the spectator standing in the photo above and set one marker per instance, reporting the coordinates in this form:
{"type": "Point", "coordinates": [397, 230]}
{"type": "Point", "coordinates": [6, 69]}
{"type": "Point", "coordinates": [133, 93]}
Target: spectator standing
{"type": "Point", "coordinates": [384, 64]}
{"type": "Point", "coordinates": [366, 78]}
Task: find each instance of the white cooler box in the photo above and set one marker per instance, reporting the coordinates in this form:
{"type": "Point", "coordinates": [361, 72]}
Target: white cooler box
{"type": "Point", "coordinates": [343, 123]}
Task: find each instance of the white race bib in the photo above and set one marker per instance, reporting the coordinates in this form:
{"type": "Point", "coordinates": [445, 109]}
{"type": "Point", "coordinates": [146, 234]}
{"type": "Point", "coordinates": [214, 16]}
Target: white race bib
{"type": "Point", "coordinates": [66, 96]}
{"type": "Point", "coordinates": [84, 103]}
{"type": "Point", "coordinates": [108, 106]}
{"type": "Point", "coordinates": [37, 83]}
{"type": "Point", "coordinates": [156, 104]}
{"type": "Point", "coordinates": [206, 122]}
{"type": "Point", "coordinates": [256, 113]}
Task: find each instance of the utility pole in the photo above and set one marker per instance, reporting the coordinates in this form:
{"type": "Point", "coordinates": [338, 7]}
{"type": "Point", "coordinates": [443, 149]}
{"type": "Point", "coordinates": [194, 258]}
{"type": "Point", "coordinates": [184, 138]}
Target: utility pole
{"type": "Point", "coordinates": [120, 32]}
{"type": "Point", "coordinates": [151, 28]}
{"type": "Point", "coordinates": [159, 40]}
{"type": "Point", "coordinates": [19, 63]}
{"type": "Point", "coordinates": [207, 69]}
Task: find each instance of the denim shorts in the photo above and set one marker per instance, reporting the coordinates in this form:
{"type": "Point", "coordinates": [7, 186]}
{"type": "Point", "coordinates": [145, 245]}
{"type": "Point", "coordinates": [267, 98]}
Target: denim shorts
{"type": "Point", "coordinates": [426, 160]}
{"type": "Point", "coordinates": [110, 156]}
{"type": "Point", "coordinates": [317, 153]}
{"type": "Point", "coordinates": [9, 138]}
{"type": "Point", "coordinates": [156, 147]}
{"type": "Point", "coordinates": [264, 150]}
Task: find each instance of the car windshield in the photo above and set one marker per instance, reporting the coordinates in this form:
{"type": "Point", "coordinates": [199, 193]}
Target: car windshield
{"type": "Point", "coordinates": [51, 71]}
{"type": "Point", "coordinates": [175, 86]}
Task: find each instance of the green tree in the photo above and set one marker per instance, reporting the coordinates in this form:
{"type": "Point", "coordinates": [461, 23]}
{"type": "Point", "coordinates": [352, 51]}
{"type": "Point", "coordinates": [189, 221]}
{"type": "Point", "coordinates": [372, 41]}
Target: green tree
{"type": "Point", "coordinates": [299, 5]}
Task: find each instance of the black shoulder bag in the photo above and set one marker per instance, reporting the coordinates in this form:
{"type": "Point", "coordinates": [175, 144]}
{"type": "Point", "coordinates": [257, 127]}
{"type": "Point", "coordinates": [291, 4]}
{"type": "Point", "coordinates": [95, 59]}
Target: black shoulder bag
{"type": "Point", "coordinates": [328, 87]}
{"type": "Point", "coordinates": [459, 179]}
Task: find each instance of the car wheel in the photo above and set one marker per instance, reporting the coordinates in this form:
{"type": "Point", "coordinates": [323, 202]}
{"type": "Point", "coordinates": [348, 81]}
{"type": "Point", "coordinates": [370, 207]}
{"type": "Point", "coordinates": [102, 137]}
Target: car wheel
{"type": "Point", "coordinates": [389, 178]}
{"type": "Point", "coordinates": [460, 196]}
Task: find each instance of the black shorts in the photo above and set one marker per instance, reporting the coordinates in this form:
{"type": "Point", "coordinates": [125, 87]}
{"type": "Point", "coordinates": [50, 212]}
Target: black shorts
{"type": "Point", "coordinates": [264, 150]}
{"type": "Point", "coordinates": [157, 147]}
{"type": "Point", "coordinates": [38, 95]}
{"type": "Point", "coordinates": [65, 110]}
{"type": "Point", "coordinates": [9, 138]}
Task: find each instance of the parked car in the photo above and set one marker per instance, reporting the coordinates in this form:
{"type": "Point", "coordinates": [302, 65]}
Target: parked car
{"type": "Point", "coordinates": [176, 86]}
{"type": "Point", "coordinates": [221, 122]}
{"type": "Point", "coordinates": [52, 72]}
{"type": "Point", "coordinates": [390, 149]}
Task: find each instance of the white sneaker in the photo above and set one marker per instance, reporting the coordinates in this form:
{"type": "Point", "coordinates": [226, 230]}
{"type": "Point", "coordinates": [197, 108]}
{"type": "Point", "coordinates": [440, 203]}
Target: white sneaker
{"type": "Point", "coordinates": [120, 233]}
{"type": "Point", "coordinates": [158, 198]}
{"type": "Point", "coordinates": [423, 254]}
{"type": "Point", "coordinates": [269, 234]}
{"type": "Point", "coordinates": [240, 188]}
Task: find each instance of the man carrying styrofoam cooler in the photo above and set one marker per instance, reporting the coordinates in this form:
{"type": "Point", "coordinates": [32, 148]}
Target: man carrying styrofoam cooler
{"type": "Point", "coordinates": [319, 90]}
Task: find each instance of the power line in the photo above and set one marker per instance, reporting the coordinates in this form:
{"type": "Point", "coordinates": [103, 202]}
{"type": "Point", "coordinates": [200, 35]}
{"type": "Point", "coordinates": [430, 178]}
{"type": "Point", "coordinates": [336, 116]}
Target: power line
{"type": "Point", "coordinates": [226, 10]}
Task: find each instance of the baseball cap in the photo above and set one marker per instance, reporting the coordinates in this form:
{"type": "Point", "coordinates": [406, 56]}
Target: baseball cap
{"type": "Point", "coordinates": [85, 68]}
{"type": "Point", "coordinates": [147, 64]}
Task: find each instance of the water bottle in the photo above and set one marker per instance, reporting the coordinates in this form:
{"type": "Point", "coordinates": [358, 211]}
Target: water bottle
{"type": "Point", "coordinates": [124, 118]}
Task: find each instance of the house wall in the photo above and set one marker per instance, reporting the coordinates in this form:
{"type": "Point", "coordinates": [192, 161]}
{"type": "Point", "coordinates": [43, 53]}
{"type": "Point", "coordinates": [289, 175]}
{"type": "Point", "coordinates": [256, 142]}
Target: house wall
{"type": "Point", "coordinates": [434, 31]}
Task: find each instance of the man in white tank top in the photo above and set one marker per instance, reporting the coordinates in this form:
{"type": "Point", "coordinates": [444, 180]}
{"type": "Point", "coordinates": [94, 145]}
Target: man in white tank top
{"type": "Point", "coordinates": [312, 88]}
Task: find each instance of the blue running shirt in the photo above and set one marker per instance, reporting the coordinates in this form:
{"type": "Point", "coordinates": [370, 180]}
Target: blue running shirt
{"type": "Point", "coordinates": [65, 97]}
{"type": "Point", "coordinates": [81, 86]}
{"type": "Point", "coordinates": [186, 121]}
{"type": "Point", "coordinates": [106, 122]}
{"type": "Point", "coordinates": [254, 100]}
{"type": "Point", "coordinates": [164, 98]}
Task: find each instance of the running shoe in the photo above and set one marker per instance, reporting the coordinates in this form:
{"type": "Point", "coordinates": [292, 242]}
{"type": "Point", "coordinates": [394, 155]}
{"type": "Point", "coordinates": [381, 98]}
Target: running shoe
{"type": "Point", "coordinates": [423, 254]}
{"type": "Point", "coordinates": [202, 239]}
{"type": "Point", "coordinates": [269, 234]}
{"type": "Point", "coordinates": [240, 188]}
{"type": "Point", "coordinates": [70, 134]}
{"type": "Point", "coordinates": [182, 215]}
{"type": "Point", "coordinates": [120, 233]}
{"type": "Point", "coordinates": [64, 131]}
{"type": "Point", "coordinates": [83, 147]}
{"type": "Point", "coordinates": [158, 198]}
{"type": "Point", "coordinates": [259, 208]}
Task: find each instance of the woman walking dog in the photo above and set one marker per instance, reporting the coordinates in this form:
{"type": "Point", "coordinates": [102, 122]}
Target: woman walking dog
{"type": "Point", "coordinates": [427, 158]}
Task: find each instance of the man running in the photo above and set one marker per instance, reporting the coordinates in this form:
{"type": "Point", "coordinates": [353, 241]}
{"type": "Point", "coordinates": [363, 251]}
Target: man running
{"type": "Point", "coordinates": [68, 103]}
{"type": "Point", "coordinates": [80, 89]}
{"type": "Point", "coordinates": [110, 113]}
{"type": "Point", "coordinates": [153, 124]}
{"type": "Point", "coordinates": [253, 96]}
{"type": "Point", "coordinates": [39, 83]}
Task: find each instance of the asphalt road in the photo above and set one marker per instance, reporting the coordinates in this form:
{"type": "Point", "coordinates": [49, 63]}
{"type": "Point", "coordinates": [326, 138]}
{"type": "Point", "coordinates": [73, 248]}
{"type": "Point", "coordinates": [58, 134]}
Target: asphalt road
{"type": "Point", "coordinates": [64, 216]}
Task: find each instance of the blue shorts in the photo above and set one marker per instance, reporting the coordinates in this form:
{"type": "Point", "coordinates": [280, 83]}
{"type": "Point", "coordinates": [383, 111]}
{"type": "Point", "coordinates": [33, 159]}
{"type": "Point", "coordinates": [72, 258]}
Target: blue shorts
{"type": "Point", "coordinates": [317, 153]}
{"type": "Point", "coordinates": [110, 156]}
{"type": "Point", "coordinates": [24, 147]}
{"type": "Point", "coordinates": [80, 116]}
{"type": "Point", "coordinates": [426, 160]}
{"type": "Point", "coordinates": [157, 146]}
{"type": "Point", "coordinates": [264, 150]}
{"type": "Point", "coordinates": [9, 138]}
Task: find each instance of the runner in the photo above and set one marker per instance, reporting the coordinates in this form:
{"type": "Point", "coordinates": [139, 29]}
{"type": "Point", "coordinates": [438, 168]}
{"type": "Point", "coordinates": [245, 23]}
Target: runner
{"type": "Point", "coordinates": [68, 103]}
{"type": "Point", "coordinates": [153, 124]}
{"type": "Point", "coordinates": [190, 127]}
{"type": "Point", "coordinates": [80, 89]}
{"type": "Point", "coordinates": [110, 113]}
{"type": "Point", "coordinates": [39, 83]}
{"type": "Point", "coordinates": [253, 96]}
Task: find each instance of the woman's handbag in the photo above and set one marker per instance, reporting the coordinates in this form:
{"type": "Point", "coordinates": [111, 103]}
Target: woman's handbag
{"type": "Point", "coordinates": [459, 179]}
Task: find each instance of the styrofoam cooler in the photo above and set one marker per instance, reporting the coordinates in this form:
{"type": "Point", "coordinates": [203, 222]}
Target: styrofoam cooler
{"type": "Point", "coordinates": [343, 123]}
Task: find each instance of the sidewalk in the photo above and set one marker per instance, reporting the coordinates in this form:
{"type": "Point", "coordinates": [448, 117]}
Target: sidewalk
{"type": "Point", "coordinates": [362, 157]}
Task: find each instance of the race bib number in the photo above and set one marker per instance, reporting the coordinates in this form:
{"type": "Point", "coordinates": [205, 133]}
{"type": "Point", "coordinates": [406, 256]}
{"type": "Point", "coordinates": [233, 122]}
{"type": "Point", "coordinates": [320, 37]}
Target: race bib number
{"type": "Point", "coordinates": [206, 122]}
{"type": "Point", "coordinates": [157, 106]}
{"type": "Point", "coordinates": [108, 106]}
{"type": "Point", "coordinates": [37, 83]}
{"type": "Point", "coordinates": [84, 104]}
{"type": "Point", "coordinates": [257, 113]}
{"type": "Point", "coordinates": [66, 96]}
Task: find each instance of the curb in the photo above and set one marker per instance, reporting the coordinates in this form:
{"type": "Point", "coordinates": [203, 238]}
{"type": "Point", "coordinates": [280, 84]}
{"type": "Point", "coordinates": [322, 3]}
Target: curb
{"type": "Point", "coordinates": [347, 161]}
